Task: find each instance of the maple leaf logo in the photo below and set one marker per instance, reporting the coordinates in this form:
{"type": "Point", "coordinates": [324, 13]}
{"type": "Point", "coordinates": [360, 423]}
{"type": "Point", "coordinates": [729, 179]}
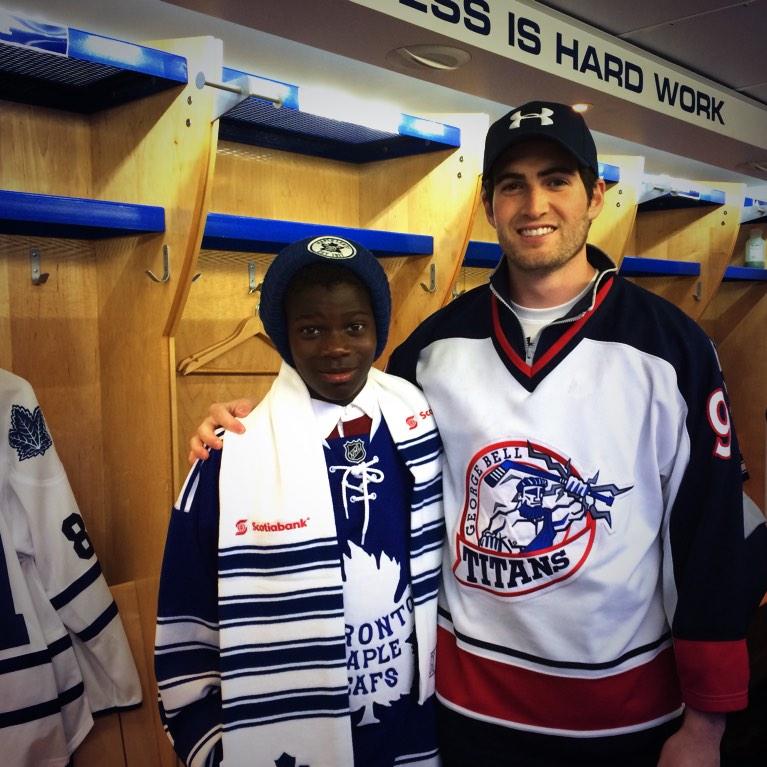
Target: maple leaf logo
{"type": "Point", "coordinates": [287, 760]}
{"type": "Point", "coordinates": [28, 434]}
{"type": "Point", "coordinates": [377, 670]}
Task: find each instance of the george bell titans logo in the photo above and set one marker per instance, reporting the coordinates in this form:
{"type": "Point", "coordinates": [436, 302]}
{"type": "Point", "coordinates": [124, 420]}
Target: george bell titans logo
{"type": "Point", "coordinates": [529, 520]}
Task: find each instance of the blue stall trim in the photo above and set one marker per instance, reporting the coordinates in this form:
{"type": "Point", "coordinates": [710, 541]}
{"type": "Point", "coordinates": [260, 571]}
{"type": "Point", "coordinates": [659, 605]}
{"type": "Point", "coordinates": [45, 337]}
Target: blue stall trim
{"type": "Point", "coordinates": [266, 235]}
{"type": "Point", "coordinates": [46, 215]}
{"type": "Point", "coordinates": [744, 274]}
{"type": "Point", "coordinates": [637, 266]}
{"type": "Point", "coordinates": [482, 255]}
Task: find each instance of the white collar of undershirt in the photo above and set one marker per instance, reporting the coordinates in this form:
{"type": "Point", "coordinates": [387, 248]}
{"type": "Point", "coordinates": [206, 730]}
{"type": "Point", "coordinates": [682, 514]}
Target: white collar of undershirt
{"type": "Point", "coordinates": [329, 414]}
{"type": "Point", "coordinates": [548, 313]}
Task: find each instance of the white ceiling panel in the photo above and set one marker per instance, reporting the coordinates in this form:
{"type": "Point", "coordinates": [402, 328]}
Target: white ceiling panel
{"type": "Point", "coordinates": [724, 41]}
{"type": "Point", "coordinates": [621, 16]}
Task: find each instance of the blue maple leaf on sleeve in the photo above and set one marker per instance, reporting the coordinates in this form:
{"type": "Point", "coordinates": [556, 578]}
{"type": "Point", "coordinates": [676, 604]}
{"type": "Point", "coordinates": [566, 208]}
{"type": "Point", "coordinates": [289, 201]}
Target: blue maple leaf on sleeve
{"type": "Point", "coordinates": [286, 760]}
{"type": "Point", "coordinates": [28, 434]}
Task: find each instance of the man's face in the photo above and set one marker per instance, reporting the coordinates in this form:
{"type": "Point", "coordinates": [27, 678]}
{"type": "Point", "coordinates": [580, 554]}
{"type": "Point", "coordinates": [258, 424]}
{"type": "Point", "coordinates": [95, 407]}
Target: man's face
{"type": "Point", "coordinates": [540, 209]}
{"type": "Point", "coordinates": [332, 336]}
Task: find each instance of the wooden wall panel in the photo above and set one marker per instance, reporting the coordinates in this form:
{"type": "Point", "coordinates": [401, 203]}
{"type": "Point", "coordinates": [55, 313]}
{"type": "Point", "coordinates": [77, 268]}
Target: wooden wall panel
{"type": "Point", "coordinates": [268, 183]}
{"type": "Point", "coordinates": [44, 150]}
{"type": "Point", "coordinates": [434, 194]}
{"type": "Point", "coordinates": [157, 151]}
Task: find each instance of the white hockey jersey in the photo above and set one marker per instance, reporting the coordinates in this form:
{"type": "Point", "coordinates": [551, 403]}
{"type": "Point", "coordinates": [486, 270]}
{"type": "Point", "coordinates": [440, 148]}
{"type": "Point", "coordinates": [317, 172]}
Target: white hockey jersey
{"type": "Point", "coordinates": [63, 651]}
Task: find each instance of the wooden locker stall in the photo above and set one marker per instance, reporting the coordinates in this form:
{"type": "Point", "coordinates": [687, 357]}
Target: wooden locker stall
{"type": "Point", "coordinates": [737, 320]}
{"type": "Point", "coordinates": [411, 211]}
{"type": "Point", "coordinates": [683, 240]}
{"type": "Point", "coordinates": [100, 180]}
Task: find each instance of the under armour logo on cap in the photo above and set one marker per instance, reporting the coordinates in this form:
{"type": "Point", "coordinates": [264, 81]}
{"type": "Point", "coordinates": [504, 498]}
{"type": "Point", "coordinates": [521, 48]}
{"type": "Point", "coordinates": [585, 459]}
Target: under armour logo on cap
{"type": "Point", "coordinates": [544, 116]}
{"type": "Point", "coordinates": [541, 120]}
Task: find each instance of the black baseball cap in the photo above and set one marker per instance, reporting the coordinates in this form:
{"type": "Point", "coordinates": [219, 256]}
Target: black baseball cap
{"type": "Point", "coordinates": [541, 119]}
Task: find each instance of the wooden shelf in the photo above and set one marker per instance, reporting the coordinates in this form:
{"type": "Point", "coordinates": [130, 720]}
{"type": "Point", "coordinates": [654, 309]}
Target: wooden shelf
{"type": "Point", "coordinates": [636, 266]}
{"type": "Point", "coordinates": [65, 68]}
{"type": "Point", "coordinates": [48, 215]}
{"type": "Point", "coordinates": [744, 274]}
{"type": "Point", "coordinates": [664, 193]}
{"type": "Point", "coordinates": [266, 235]}
{"type": "Point", "coordinates": [257, 121]}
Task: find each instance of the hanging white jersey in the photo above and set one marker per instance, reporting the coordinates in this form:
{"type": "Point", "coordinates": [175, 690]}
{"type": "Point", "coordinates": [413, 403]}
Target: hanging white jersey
{"type": "Point", "coordinates": [63, 651]}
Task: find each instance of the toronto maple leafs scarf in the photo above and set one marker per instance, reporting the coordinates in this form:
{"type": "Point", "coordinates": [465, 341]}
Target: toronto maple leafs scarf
{"type": "Point", "coordinates": [283, 655]}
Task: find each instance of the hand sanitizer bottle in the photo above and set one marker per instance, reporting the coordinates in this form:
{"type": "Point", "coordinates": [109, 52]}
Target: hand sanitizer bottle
{"type": "Point", "coordinates": [755, 249]}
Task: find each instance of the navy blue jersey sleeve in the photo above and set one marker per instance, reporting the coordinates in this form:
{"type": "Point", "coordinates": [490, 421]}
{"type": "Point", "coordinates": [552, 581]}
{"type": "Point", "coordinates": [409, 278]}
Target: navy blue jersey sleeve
{"type": "Point", "coordinates": [706, 537]}
{"type": "Point", "coordinates": [187, 649]}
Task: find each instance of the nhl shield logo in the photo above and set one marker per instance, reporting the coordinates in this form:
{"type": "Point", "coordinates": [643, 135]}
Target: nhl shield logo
{"type": "Point", "coordinates": [354, 450]}
{"type": "Point", "coordinates": [529, 519]}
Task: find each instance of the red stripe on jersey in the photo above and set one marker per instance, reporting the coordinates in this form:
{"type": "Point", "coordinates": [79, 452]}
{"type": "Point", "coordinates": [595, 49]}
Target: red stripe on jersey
{"type": "Point", "coordinates": [523, 697]}
{"type": "Point", "coordinates": [713, 675]}
{"type": "Point", "coordinates": [564, 339]}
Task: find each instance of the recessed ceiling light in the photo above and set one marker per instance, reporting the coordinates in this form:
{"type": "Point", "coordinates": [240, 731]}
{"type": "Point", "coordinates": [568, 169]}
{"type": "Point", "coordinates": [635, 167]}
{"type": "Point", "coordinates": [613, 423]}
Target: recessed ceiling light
{"type": "Point", "coordinates": [439, 57]}
{"type": "Point", "coordinates": [582, 106]}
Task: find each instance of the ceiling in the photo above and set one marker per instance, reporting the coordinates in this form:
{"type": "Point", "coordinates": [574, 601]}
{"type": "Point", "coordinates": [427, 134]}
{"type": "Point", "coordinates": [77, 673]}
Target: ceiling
{"type": "Point", "coordinates": [723, 41]}
{"type": "Point", "coordinates": [343, 45]}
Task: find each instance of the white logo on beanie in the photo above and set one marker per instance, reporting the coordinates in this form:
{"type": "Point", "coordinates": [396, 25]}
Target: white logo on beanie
{"type": "Point", "coordinates": [544, 116]}
{"type": "Point", "coordinates": [332, 247]}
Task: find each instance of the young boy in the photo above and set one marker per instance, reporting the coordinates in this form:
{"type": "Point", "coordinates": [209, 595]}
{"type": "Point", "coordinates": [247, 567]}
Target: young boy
{"type": "Point", "coordinates": [297, 608]}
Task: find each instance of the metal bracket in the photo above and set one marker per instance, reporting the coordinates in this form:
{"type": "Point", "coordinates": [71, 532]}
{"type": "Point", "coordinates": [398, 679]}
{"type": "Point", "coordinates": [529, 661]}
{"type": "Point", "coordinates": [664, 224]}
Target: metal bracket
{"type": "Point", "coordinates": [38, 277]}
{"type": "Point", "coordinates": [165, 267]}
{"type": "Point", "coordinates": [232, 92]}
{"type": "Point", "coordinates": [698, 294]}
{"type": "Point", "coordinates": [432, 286]}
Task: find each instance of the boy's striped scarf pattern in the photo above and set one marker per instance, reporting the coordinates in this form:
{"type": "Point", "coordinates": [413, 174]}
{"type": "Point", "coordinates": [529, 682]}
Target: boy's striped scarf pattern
{"type": "Point", "coordinates": [283, 678]}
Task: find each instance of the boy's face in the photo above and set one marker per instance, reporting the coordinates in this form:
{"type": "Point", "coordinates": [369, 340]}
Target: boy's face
{"type": "Point", "coordinates": [332, 336]}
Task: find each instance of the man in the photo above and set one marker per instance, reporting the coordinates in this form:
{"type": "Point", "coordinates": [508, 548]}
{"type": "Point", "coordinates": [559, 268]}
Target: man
{"type": "Point", "coordinates": [622, 641]}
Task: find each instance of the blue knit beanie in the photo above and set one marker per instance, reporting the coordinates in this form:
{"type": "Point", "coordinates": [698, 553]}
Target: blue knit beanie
{"type": "Point", "coordinates": [313, 250]}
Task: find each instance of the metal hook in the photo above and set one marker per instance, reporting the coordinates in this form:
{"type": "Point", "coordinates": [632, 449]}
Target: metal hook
{"type": "Point", "coordinates": [432, 286]}
{"type": "Point", "coordinates": [253, 286]}
{"type": "Point", "coordinates": [165, 267]}
{"type": "Point", "coordinates": [455, 293]}
{"type": "Point", "coordinates": [38, 277]}
{"type": "Point", "coordinates": [698, 294]}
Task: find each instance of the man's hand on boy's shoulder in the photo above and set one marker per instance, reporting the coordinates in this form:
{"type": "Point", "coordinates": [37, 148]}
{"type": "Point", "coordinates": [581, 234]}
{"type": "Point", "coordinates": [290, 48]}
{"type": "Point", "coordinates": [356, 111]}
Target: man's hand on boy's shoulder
{"type": "Point", "coordinates": [220, 415]}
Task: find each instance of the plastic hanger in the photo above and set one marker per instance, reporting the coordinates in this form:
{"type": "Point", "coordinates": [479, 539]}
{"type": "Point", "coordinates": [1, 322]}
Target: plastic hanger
{"type": "Point", "coordinates": [249, 328]}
